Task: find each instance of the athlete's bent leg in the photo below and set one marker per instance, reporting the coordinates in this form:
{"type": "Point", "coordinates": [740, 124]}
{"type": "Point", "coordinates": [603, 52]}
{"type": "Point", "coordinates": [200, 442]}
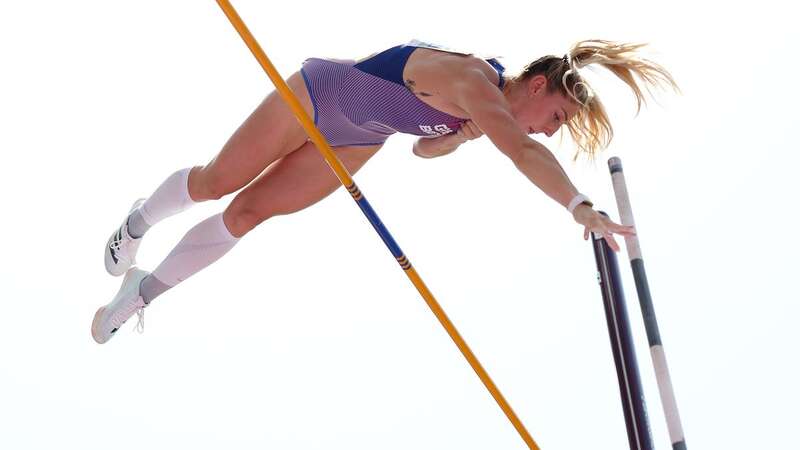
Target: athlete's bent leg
{"type": "Point", "coordinates": [205, 243]}
{"type": "Point", "coordinates": [294, 182]}
{"type": "Point", "coordinates": [268, 134]}
{"type": "Point", "coordinates": [170, 198]}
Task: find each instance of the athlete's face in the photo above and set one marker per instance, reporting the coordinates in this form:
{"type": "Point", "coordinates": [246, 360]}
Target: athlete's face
{"type": "Point", "coordinates": [543, 112]}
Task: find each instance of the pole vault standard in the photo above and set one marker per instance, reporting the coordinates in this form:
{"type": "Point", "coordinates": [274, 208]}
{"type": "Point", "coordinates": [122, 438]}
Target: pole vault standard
{"type": "Point", "coordinates": [648, 312]}
{"type": "Point", "coordinates": [355, 192]}
{"type": "Point", "coordinates": [619, 330]}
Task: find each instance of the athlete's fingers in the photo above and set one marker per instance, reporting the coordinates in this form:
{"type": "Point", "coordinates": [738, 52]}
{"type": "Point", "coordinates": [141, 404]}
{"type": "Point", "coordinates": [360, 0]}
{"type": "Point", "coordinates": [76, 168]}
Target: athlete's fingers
{"type": "Point", "coordinates": [471, 130]}
{"type": "Point", "coordinates": [466, 132]}
{"type": "Point", "coordinates": [611, 241]}
{"type": "Point", "coordinates": [625, 230]}
{"type": "Point", "coordinates": [475, 129]}
{"type": "Point", "coordinates": [607, 235]}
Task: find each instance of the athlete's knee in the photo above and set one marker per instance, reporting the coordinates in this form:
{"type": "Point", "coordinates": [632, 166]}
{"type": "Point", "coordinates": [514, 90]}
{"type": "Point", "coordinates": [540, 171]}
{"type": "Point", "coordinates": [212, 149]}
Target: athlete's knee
{"type": "Point", "coordinates": [205, 184]}
{"type": "Point", "coordinates": [241, 217]}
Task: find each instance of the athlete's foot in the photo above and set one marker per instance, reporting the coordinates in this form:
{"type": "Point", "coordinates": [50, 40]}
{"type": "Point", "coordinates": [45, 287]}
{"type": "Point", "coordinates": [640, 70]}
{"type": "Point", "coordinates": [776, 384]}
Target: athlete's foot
{"type": "Point", "coordinates": [120, 251]}
{"type": "Point", "coordinates": [109, 318]}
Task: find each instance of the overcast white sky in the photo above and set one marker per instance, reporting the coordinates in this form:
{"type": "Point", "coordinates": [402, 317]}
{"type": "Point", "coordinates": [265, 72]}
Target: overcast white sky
{"type": "Point", "coordinates": [307, 335]}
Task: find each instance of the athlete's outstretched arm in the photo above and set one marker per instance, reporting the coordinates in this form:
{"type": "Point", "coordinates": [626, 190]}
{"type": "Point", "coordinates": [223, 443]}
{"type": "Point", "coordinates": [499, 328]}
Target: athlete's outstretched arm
{"type": "Point", "coordinates": [491, 113]}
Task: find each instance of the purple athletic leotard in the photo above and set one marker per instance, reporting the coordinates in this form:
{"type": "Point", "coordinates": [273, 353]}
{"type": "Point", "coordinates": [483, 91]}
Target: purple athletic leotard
{"type": "Point", "coordinates": [366, 102]}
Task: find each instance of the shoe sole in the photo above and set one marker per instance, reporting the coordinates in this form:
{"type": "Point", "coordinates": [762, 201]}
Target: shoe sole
{"type": "Point", "coordinates": [95, 324]}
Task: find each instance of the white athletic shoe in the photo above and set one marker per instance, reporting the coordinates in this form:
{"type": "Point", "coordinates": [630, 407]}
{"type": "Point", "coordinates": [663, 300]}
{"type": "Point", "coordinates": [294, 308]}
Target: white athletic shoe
{"type": "Point", "coordinates": [120, 252]}
{"type": "Point", "coordinates": [109, 318]}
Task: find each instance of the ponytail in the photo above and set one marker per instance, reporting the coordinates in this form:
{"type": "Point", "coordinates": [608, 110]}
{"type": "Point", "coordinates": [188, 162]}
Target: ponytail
{"type": "Point", "coordinates": [590, 127]}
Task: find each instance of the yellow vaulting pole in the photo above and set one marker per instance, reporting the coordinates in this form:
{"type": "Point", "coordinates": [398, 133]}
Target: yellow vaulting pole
{"type": "Point", "coordinates": [341, 172]}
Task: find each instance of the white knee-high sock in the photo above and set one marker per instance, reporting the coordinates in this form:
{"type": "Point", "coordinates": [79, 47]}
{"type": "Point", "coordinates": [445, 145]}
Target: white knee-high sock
{"type": "Point", "coordinates": [207, 242]}
{"type": "Point", "coordinates": [170, 198]}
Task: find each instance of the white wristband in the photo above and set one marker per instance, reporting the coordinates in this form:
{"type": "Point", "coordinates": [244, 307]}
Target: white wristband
{"type": "Point", "coordinates": [580, 198]}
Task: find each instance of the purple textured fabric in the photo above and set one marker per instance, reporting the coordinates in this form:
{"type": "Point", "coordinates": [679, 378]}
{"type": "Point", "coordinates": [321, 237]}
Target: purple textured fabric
{"type": "Point", "coordinates": [352, 107]}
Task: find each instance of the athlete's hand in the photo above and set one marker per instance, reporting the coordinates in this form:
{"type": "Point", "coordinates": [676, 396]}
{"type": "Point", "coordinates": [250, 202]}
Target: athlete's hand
{"type": "Point", "coordinates": [469, 131]}
{"type": "Point", "coordinates": [594, 222]}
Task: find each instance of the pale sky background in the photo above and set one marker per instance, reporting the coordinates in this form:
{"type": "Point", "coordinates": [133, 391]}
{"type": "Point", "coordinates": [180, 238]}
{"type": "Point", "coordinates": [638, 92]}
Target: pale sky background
{"type": "Point", "coordinates": [308, 335]}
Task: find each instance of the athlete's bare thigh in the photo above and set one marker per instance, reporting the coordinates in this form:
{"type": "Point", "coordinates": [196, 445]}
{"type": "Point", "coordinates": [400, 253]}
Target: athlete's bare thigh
{"type": "Point", "coordinates": [294, 182]}
{"type": "Point", "coordinates": [269, 133]}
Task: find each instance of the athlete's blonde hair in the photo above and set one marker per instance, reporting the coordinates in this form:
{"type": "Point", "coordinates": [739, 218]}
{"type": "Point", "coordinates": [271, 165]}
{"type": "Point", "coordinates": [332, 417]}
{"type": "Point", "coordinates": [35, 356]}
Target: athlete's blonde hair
{"type": "Point", "coordinates": [590, 127]}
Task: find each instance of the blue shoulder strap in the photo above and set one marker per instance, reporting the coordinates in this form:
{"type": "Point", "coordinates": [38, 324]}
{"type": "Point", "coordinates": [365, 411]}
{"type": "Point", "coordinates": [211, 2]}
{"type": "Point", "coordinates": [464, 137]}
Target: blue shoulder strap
{"type": "Point", "coordinates": [500, 69]}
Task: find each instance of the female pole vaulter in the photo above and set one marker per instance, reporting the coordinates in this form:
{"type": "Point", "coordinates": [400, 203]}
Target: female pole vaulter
{"type": "Point", "coordinates": [443, 96]}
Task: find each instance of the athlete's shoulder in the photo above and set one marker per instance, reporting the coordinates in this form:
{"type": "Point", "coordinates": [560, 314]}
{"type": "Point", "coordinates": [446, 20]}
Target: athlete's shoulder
{"type": "Point", "coordinates": [451, 49]}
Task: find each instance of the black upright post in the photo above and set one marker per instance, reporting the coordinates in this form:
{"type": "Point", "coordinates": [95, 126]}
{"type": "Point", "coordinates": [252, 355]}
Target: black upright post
{"type": "Point", "coordinates": [619, 330]}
